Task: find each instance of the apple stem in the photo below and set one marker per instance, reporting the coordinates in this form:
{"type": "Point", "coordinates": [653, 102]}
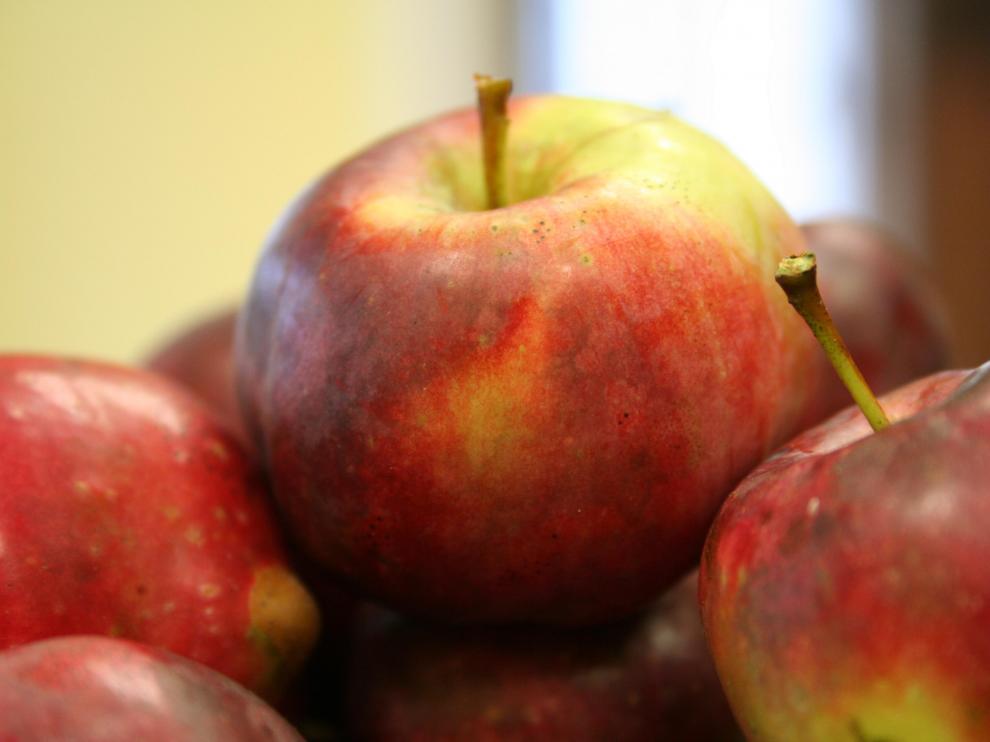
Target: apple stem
{"type": "Point", "coordinates": [493, 95]}
{"type": "Point", "coordinates": [797, 276]}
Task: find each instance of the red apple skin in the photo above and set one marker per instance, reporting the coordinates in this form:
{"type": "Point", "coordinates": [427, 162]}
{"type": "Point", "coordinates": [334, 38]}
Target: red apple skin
{"type": "Point", "coordinates": [529, 414]}
{"type": "Point", "coordinates": [95, 689]}
{"type": "Point", "coordinates": [884, 304]}
{"type": "Point", "coordinates": [201, 358]}
{"type": "Point", "coordinates": [845, 586]}
{"type": "Point", "coordinates": [127, 510]}
{"type": "Point", "coordinates": [642, 680]}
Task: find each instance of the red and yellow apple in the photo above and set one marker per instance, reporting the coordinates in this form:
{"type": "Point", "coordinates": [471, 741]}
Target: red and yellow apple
{"type": "Point", "coordinates": [96, 689]}
{"type": "Point", "coordinates": [127, 510]}
{"type": "Point", "coordinates": [526, 413]}
{"type": "Point", "coordinates": [845, 586]}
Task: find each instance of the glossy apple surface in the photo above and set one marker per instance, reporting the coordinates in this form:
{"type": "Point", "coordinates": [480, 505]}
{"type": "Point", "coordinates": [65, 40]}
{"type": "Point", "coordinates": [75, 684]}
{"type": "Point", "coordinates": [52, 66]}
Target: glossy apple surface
{"type": "Point", "coordinates": [642, 680]}
{"type": "Point", "coordinates": [845, 585]}
{"type": "Point", "coordinates": [95, 689]}
{"type": "Point", "coordinates": [885, 306]}
{"type": "Point", "coordinates": [201, 358]}
{"type": "Point", "coordinates": [127, 510]}
{"type": "Point", "coordinates": [529, 413]}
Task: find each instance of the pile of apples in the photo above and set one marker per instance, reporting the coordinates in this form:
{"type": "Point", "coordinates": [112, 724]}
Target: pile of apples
{"type": "Point", "coordinates": [494, 395]}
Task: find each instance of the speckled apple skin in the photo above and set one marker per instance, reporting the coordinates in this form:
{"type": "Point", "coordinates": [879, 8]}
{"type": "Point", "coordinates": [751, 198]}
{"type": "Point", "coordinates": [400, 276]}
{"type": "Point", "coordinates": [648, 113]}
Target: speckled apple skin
{"type": "Point", "coordinates": [126, 510]}
{"type": "Point", "coordinates": [95, 689]}
{"type": "Point", "coordinates": [530, 413]}
{"type": "Point", "coordinates": [641, 680]}
{"type": "Point", "coordinates": [845, 587]}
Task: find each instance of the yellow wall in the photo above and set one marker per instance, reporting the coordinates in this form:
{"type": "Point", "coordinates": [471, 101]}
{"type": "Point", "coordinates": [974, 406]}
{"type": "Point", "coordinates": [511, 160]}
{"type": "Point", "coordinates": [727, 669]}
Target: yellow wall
{"type": "Point", "coordinates": [146, 147]}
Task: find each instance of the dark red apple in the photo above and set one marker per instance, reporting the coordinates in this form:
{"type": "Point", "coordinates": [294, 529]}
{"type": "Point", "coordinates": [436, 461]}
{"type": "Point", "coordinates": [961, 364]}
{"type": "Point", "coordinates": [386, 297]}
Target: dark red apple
{"type": "Point", "coordinates": [127, 510]}
{"type": "Point", "coordinates": [201, 358]}
{"type": "Point", "coordinates": [95, 689]}
{"type": "Point", "coordinates": [845, 586]}
{"type": "Point", "coordinates": [643, 680]}
{"type": "Point", "coordinates": [884, 304]}
{"type": "Point", "coordinates": [532, 412]}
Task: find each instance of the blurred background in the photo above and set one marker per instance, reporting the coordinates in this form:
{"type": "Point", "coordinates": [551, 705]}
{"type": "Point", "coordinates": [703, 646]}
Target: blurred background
{"type": "Point", "coordinates": [147, 147]}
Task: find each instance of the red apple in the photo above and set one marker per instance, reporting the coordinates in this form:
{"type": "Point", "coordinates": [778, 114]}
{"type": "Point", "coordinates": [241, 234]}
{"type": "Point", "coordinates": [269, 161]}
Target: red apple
{"type": "Point", "coordinates": [95, 689]}
{"type": "Point", "coordinates": [527, 413]}
{"type": "Point", "coordinates": [883, 303]}
{"type": "Point", "coordinates": [845, 586]}
{"type": "Point", "coordinates": [127, 510]}
{"type": "Point", "coordinates": [642, 680]}
{"type": "Point", "coordinates": [201, 359]}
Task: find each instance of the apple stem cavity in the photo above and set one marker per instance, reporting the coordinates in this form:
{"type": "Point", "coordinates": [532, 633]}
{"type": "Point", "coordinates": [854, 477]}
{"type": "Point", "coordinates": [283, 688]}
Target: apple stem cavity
{"type": "Point", "coordinates": [797, 276]}
{"type": "Point", "coordinates": [493, 95]}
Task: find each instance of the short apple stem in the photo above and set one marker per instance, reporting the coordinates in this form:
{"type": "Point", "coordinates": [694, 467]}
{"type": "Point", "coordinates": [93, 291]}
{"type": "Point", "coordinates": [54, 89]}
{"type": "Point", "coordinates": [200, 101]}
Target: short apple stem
{"type": "Point", "coordinates": [797, 276]}
{"type": "Point", "coordinates": [493, 95]}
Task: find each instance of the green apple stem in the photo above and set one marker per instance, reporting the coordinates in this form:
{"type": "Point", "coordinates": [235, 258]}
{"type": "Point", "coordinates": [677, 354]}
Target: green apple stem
{"type": "Point", "coordinates": [493, 95]}
{"type": "Point", "coordinates": [797, 275]}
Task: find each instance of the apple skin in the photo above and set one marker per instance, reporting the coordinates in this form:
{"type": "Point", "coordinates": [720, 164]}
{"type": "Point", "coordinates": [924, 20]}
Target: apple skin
{"type": "Point", "coordinates": [884, 304]}
{"type": "Point", "coordinates": [845, 585]}
{"type": "Point", "coordinates": [96, 689]}
{"type": "Point", "coordinates": [127, 510]}
{"type": "Point", "coordinates": [532, 413]}
{"type": "Point", "coordinates": [201, 358]}
{"type": "Point", "coordinates": [646, 679]}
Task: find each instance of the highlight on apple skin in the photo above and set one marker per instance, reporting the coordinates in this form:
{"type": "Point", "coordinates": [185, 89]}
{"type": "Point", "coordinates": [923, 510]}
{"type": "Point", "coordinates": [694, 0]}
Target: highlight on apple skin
{"type": "Point", "coordinates": [97, 689]}
{"type": "Point", "coordinates": [127, 510]}
{"type": "Point", "coordinates": [528, 413]}
{"type": "Point", "coordinates": [845, 585]}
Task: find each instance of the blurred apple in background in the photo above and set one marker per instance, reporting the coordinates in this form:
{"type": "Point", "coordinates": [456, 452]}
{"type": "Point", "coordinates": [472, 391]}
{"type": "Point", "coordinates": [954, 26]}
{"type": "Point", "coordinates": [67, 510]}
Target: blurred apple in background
{"type": "Point", "coordinates": [845, 585]}
{"type": "Point", "coordinates": [884, 304]}
{"type": "Point", "coordinates": [127, 510]}
{"type": "Point", "coordinates": [647, 679]}
{"type": "Point", "coordinates": [95, 689]}
{"type": "Point", "coordinates": [200, 358]}
{"type": "Point", "coordinates": [531, 412]}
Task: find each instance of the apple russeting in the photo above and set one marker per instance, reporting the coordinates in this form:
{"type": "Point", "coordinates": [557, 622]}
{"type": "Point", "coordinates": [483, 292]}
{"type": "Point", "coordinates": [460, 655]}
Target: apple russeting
{"type": "Point", "coordinates": [845, 584]}
{"type": "Point", "coordinates": [96, 689]}
{"type": "Point", "coordinates": [530, 412]}
{"type": "Point", "coordinates": [128, 510]}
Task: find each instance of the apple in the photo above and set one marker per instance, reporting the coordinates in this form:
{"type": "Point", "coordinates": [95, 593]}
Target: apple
{"type": "Point", "coordinates": [96, 689]}
{"type": "Point", "coordinates": [644, 679]}
{"type": "Point", "coordinates": [884, 304]}
{"type": "Point", "coordinates": [127, 510]}
{"type": "Point", "coordinates": [529, 412]}
{"type": "Point", "coordinates": [845, 584]}
{"type": "Point", "coordinates": [201, 358]}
